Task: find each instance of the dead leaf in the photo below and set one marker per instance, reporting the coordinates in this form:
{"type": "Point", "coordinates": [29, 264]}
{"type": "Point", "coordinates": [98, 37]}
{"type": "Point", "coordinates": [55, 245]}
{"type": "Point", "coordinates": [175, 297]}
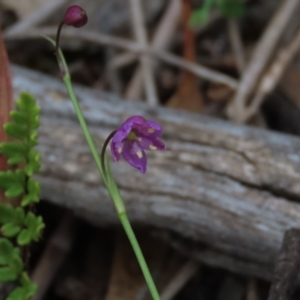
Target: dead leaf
{"type": "Point", "coordinates": [188, 95]}
{"type": "Point", "coordinates": [219, 92]}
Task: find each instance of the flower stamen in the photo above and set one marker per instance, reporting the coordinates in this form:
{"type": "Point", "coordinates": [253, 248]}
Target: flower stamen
{"type": "Point", "coordinates": [139, 154]}
{"type": "Point", "coordinates": [132, 136]}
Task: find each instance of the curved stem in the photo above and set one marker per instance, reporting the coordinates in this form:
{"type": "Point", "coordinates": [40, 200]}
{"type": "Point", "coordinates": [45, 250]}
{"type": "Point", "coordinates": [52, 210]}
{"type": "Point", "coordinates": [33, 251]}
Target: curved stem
{"type": "Point", "coordinates": [103, 151]}
{"type": "Point", "coordinates": [58, 56]}
{"type": "Point", "coordinates": [57, 38]}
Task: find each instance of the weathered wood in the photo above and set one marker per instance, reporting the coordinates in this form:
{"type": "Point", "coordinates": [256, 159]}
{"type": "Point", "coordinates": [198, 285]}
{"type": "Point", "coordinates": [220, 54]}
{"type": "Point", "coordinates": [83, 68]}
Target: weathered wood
{"type": "Point", "coordinates": [232, 188]}
{"type": "Point", "coordinates": [287, 267]}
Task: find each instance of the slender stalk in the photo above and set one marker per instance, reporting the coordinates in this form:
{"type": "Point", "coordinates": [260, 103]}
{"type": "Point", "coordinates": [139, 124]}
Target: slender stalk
{"type": "Point", "coordinates": [61, 62]}
{"type": "Point", "coordinates": [139, 255]}
{"type": "Point", "coordinates": [113, 192]}
{"type": "Point", "coordinates": [57, 38]}
{"type": "Point", "coordinates": [86, 132]}
{"type": "Point", "coordinates": [105, 172]}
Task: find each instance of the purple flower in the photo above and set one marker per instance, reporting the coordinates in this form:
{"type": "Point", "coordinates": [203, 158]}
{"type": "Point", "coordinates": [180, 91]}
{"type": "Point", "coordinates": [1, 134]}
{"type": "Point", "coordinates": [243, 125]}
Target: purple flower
{"type": "Point", "coordinates": [75, 16]}
{"type": "Point", "coordinates": [133, 137]}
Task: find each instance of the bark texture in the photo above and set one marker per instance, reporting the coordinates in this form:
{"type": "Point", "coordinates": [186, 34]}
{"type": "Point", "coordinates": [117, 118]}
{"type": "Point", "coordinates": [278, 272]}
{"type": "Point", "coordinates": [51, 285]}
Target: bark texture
{"type": "Point", "coordinates": [233, 189]}
{"type": "Point", "coordinates": [287, 267]}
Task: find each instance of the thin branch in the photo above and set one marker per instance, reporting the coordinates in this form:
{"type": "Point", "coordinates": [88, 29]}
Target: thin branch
{"type": "Point", "coordinates": [79, 34]}
{"type": "Point", "coordinates": [261, 57]}
{"type": "Point", "coordinates": [163, 35]}
{"type": "Point", "coordinates": [35, 18]}
{"type": "Point", "coordinates": [168, 22]}
{"type": "Point", "coordinates": [197, 69]}
{"type": "Point", "coordinates": [273, 75]}
{"type": "Point", "coordinates": [122, 60]}
{"type": "Point", "coordinates": [237, 45]}
{"type": "Point", "coordinates": [180, 279]}
{"type": "Point", "coordinates": [138, 24]}
{"type": "Point", "coordinates": [103, 39]}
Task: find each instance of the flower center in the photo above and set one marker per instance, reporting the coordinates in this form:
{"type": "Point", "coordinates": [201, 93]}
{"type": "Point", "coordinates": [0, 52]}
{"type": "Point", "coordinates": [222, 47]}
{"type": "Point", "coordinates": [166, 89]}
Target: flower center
{"type": "Point", "coordinates": [131, 136]}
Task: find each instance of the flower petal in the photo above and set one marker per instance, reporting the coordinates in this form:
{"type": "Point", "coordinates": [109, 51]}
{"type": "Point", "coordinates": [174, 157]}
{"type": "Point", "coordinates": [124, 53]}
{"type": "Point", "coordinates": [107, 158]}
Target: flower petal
{"type": "Point", "coordinates": [150, 129]}
{"type": "Point", "coordinates": [135, 156]}
{"type": "Point", "coordinates": [150, 143]}
{"type": "Point", "coordinates": [135, 120]}
{"type": "Point", "coordinates": [155, 126]}
{"type": "Point", "coordinates": [116, 150]}
{"type": "Point", "coordinates": [126, 127]}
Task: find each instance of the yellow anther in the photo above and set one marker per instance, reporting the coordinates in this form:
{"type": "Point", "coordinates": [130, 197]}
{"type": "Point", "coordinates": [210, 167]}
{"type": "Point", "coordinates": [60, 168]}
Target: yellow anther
{"type": "Point", "coordinates": [139, 154]}
{"type": "Point", "coordinates": [153, 148]}
{"type": "Point", "coordinates": [131, 136]}
{"type": "Point", "coordinates": [151, 130]}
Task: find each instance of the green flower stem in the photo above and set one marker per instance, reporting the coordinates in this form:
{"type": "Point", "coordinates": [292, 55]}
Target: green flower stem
{"type": "Point", "coordinates": [138, 253]}
{"type": "Point", "coordinates": [117, 200]}
{"type": "Point", "coordinates": [111, 186]}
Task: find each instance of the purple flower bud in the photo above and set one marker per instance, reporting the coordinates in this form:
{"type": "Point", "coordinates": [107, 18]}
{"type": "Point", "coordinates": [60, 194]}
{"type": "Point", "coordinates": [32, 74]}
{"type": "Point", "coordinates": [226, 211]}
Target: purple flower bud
{"type": "Point", "coordinates": [133, 137]}
{"type": "Point", "coordinates": [75, 16]}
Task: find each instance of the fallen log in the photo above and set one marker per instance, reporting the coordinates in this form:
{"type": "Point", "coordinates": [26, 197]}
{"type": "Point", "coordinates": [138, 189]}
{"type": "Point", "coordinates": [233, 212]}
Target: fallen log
{"type": "Point", "coordinates": [234, 189]}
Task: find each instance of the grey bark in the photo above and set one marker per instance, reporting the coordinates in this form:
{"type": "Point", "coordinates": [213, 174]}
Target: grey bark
{"type": "Point", "coordinates": [287, 267]}
{"type": "Point", "coordinates": [234, 189]}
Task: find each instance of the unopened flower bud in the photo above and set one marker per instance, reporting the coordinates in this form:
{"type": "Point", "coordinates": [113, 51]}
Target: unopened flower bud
{"type": "Point", "coordinates": [75, 16]}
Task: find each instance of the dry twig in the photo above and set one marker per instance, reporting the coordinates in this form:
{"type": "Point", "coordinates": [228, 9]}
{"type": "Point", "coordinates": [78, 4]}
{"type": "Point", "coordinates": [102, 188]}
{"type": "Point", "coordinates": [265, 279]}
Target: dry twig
{"type": "Point", "coordinates": [168, 20]}
{"type": "Point", "coordinates": [138, 24]}
{"type": "Point", "coordinates": [197, 69]}
{"type": "Point", "coordinates": [180, 279]}
{"type": "Point", "coordinates": [273, 75]}
{"type": "Point", "coordinates": [237, 45]}
{"type": "Point", "coordinates": [103, 39]}
{"type": "Point", "coordinates": [162, 37]}
{"type": "Point", "coordinates": [260, 58]}
{"type": "Point", "coordinates": [122, 60]}
{"type": "Point", "coordinates": [35, 18]}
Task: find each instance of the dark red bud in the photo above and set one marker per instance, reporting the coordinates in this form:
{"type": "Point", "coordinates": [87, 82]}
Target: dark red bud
{"type": "Point", "coordinates": [75, 16]}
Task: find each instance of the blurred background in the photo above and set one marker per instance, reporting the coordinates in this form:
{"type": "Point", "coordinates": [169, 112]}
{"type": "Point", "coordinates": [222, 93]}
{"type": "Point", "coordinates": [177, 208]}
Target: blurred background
{"type": "Point", "coordinates": [232, 59]}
